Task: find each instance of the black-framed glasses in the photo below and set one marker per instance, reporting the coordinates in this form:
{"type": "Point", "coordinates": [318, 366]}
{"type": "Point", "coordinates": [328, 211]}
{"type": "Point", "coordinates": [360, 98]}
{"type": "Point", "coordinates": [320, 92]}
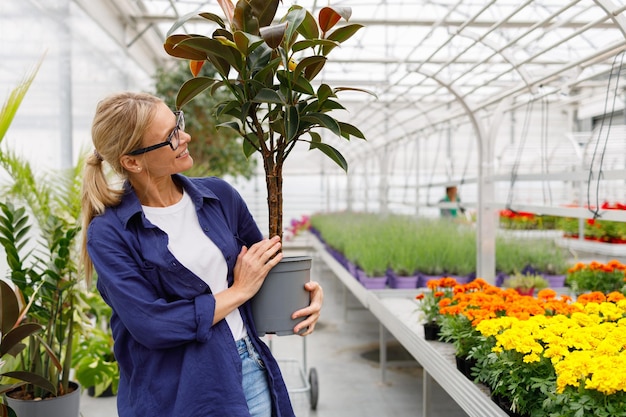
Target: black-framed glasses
{"type": "Point", "coordinates": [173, 139]}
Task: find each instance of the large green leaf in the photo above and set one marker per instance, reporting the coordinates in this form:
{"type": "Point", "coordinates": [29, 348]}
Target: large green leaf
{"type": "Point", "coordinates": [308, 28]}
{"type": "Point", "coordinates": [329, 105]}
{"type": "Point", "coordinates": [209, 16]}
{"type": "Point", "coordinates": [250, 144]}
{"type": "Point", "coordinates": [323, 120]}
{"type": "Point", "coordinates": [191, 88]}
{"type": "Point", "coordinates": [348, 130]}
{"type": "Point", "coordinates": [312, 43]}
{"type": "Point", "coordinates": [312, 70]}
{"type": "Point", "coordinates": [293, 18]}
{"type": "Point", "coordinates": [329, 151]}
{"type": "Point", "coordinates": [341, 35]}
{"type": "Point", "coordinates": [267, 95]}
{"type": "Point", "coordinates": [307, 62]}
{"type": "Point", "coordinates": [259, 58]}
{"type": "Point", "coordinates": [10, 106]}
{"type": "Point", "coordinates": [302, 85]}
{"type": "Point", "coordinates": [292, 122]}
{"type": "Point", "coordinates": [232, 125]}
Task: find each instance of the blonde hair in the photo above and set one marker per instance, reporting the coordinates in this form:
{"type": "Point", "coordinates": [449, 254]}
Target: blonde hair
{"type": "Point", "coordinates": [118, 127]}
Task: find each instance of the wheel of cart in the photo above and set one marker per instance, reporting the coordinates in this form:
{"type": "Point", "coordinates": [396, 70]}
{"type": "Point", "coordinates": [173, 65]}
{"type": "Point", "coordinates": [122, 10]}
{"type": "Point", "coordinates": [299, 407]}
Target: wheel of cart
{"type": "Point", "coordinates": [306, 384]}
{"type": "Point", "coordinates": [314, 388]}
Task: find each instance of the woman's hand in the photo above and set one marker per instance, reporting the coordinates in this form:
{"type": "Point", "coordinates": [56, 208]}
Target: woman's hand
{"type": "Point", "coordinates": [312, 312]}
{"type": "Point", "coordinates": [254, 263]}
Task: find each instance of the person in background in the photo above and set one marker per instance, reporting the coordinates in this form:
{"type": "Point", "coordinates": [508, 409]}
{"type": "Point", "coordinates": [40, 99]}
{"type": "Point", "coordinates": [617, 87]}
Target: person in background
{"type": "Point", "coordinates": [178, 260]}
{"type": "Point", "coordinates": [451, 197]}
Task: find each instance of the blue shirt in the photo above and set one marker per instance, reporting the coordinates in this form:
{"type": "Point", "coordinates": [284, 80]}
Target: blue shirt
{"type": "Point", "coordinates": [173, 361]}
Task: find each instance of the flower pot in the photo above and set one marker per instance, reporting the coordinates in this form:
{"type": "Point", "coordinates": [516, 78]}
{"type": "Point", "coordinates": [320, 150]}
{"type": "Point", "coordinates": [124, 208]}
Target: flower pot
{"type": "Point", "coordinates": [281, 294]}
{"type": "Point", "coordinates": [525, 291]}
{"type": "Point", "coordinates": [372, 283]}
{"type": "Point", "coordinates": [67, 405]}
{"type": "Point", "coordinates": [352, 268]}
{"type": "Point", "coordinates": [402, 282]}
{"type": "Point", "coordinates": [91, 391]}
{"type": "Point", "coordinates": [431, 331]}
{"type": "Point", "coordinates": [555, 281]}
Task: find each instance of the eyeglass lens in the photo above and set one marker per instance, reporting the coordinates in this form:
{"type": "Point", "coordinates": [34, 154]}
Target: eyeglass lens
{"type": "Point", "coordinates": [174, 138]}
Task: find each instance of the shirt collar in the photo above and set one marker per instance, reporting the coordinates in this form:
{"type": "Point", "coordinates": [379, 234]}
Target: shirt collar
{"type": "Point", "coordinates": [130, 205]}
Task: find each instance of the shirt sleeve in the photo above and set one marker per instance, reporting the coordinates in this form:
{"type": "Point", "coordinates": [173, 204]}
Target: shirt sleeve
{"type": "Point", "coordinates": [152, 320]}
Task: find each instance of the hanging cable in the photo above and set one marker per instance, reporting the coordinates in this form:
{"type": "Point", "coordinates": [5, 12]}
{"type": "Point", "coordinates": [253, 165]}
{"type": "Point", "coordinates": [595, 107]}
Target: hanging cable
{"type": "Point", "coordinates": [544, 151]}
{"type": "Point", "coordinates": [409, 163]}
{"type": "Point", "coordinates": [464, 172]}
{"type": "Point", "coordinates": [520, 149]}
{"type": "Point", "coordinates": [596, 211]}
{"type": "Point", "coordinates": [432, 172]}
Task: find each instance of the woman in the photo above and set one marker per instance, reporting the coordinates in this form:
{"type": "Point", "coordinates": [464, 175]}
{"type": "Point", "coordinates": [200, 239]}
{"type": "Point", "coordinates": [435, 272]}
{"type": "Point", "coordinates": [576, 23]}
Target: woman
{"type": "Point", "coordinates": [177, 260]}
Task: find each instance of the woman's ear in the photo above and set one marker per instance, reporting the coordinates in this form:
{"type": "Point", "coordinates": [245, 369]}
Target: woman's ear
{"type": "Point", "coordinates": [130, 163]}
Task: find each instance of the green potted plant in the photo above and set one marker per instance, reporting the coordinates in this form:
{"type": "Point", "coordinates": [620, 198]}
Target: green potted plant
{"type": "Point", "coordinates": [13, 332]}
{"type": "Point", "coordinates": [93, 358]}
{"type": "Point", "coordinates": [596, 276]}
{"type": "Point", "coordinates": [40, 256]}
{"type": "Point", "coordinates": [525, 284]}
{"type": "Point", "coordinates": [438, 289]}
{"type": "Point", "coordinates": [268, 69]}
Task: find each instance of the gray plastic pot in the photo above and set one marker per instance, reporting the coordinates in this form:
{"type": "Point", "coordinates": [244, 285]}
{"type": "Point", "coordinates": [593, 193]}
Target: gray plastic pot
{"type": "Point", "coordinates": [67, 405]}
{"type": "Point", "coordinates": [281, 294]}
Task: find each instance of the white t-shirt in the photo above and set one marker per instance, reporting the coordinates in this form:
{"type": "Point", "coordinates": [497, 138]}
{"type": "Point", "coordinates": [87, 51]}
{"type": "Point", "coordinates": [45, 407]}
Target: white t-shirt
{"type": "Point", "coordinates": [195, 250]}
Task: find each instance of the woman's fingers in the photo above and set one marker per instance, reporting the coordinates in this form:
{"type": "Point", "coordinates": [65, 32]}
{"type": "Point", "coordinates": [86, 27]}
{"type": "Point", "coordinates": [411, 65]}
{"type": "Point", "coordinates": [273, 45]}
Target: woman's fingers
{"type": "Point", "coordinates": [312, 312]}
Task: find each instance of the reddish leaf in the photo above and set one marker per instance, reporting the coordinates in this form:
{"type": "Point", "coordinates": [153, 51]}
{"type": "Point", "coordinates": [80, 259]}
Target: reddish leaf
{"type": "Point", "coordinates": [195, 67]}
{"type": "Point", "coordinates": [174, 48]}
{"type": "Point", "coordinates": [329, 16]}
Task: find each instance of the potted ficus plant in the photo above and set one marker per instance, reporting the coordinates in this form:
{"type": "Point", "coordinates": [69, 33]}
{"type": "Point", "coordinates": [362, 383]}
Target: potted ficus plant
{"type": "Point", "coordinates": [268, 67]}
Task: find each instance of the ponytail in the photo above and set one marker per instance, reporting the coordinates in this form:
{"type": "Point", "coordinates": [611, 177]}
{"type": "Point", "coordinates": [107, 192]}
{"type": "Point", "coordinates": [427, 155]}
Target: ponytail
{"type": "Point", "coordinates": [96, 195]}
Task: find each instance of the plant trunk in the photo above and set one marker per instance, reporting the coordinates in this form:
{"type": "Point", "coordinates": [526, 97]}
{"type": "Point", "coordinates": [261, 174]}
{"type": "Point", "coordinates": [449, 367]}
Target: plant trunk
{"type": "Point", "coordinates": [274, 183]}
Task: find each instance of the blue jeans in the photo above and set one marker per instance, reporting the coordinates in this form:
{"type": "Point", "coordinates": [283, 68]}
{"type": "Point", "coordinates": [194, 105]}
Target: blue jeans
{"type": "Point", "coordinates": [254, 381]}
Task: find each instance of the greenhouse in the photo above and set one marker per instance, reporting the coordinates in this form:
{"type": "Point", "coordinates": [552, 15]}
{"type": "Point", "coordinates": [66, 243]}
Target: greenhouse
{"type": "Point", "coordinates": [453, 163]}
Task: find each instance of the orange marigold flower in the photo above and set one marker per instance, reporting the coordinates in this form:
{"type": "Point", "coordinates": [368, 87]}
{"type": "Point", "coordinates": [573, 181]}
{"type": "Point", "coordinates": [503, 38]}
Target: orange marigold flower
{"type": "Point", "coordinates": [592, 297]}
{"type": "Point", "coordinates": [546, 294]}
{"type": "Point", "coordinates": [448, 282]}
{"type": "Point", "coordinates": [615, 296]}
{"type": "Point", "coordinates": [419, 296]}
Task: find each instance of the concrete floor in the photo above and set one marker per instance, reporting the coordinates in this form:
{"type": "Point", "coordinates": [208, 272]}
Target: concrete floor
{"type": "Point", "coordinates": [343, 351]}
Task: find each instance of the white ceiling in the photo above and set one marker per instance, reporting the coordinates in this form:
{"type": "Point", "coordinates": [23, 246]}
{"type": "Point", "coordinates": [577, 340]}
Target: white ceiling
{"type": "Point", "coordinates": [430, 63]}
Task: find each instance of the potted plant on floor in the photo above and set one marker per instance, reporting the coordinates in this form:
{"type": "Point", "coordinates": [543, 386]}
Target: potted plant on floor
{"type": "Point", "coordinates": [268, 68]}
{"type": "Point", "coordinates": [93, 358]}
{"type": "Point", "coordinates": [12, 335]}
{"type": "Point", "coordinates": [40, 256]}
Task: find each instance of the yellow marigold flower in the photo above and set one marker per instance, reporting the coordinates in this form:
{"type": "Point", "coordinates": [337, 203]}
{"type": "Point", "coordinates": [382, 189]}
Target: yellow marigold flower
{"type": "Point", "coordinates": [532, 357]}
